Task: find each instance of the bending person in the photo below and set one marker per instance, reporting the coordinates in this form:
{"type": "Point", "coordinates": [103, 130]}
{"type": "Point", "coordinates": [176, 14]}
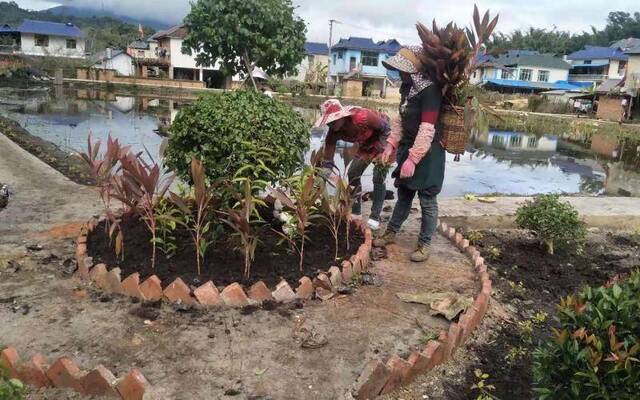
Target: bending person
{"type": "Point", "coordinates": [421, 157]}
{"type": "Point", "coordinates": [369, 130]}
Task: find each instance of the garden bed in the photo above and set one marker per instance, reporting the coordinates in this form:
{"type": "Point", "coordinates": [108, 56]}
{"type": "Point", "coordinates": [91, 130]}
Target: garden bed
{"type": "Point", "coordinates": [530, 283]}
{"type": "Point", "coordinates": [274, 261]}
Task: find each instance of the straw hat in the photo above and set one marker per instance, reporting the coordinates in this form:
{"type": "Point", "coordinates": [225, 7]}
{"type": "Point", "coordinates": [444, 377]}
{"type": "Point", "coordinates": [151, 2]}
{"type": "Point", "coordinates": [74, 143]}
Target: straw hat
{"type": "Point", "coordinates": [406, 60]}
{"type": "Point", "coordinates": [332, 110]}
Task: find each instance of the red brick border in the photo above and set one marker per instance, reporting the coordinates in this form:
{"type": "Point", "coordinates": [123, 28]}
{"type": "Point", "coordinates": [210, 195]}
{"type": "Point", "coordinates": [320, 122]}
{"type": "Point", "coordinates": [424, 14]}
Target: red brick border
{"type": "Point", "coordinates": [65, 373]}
{"type": "Point", "coordinates": [234, 295]}
{"type": "Point", "coordinates": [380, 378]}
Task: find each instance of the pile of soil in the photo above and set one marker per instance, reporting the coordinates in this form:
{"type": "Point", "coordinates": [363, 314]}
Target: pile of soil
{"type": "Point", "coordinates": [224, 261]}
{"type": "Point", "coordinates": [545, 279]}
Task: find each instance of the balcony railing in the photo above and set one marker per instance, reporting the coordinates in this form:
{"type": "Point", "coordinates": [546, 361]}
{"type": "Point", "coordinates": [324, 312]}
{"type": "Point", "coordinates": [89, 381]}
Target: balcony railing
{"type": "Point", "coordinates": [587, 77]}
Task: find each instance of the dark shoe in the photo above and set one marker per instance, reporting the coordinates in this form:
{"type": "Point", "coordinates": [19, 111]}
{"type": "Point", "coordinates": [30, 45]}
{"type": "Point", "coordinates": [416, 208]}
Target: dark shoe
{"type": "Point", "coordinates": [388, 238]}
{"type": "Point", "coordinates": [421, 254]}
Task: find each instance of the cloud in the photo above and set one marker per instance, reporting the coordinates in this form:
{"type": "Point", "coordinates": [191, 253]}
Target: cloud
{"type": "Point", "coordinates": [382, 19]}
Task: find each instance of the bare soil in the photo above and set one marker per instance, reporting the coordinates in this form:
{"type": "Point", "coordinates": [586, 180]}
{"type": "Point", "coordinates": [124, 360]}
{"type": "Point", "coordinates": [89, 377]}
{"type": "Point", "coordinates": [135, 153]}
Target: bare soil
{"type": "Point", "coordinates": [224, 262]}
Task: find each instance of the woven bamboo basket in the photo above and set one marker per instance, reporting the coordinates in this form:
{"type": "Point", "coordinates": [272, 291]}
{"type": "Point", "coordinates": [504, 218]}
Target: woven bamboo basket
{"type": "Point", "coordinates": [455, 135]}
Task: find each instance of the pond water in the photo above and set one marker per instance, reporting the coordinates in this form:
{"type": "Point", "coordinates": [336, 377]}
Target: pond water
{"type": "Point", "coordinates": [511, 163]}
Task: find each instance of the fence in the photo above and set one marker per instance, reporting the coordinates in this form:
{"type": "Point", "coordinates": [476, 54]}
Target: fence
{"type": "Point", "coordinates": [110, 76]}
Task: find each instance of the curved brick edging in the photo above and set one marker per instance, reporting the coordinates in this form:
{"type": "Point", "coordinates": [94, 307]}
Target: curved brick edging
{"type": "Point", "coordinates": [234, 295]}
{"type": "Point", "coordinates": [380, 378]}
{"type": "Point", "coordinates": [65, 373]}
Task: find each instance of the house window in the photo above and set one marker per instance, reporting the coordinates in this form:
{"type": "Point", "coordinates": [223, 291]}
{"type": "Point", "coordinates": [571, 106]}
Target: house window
{"type": "Point", "coordinates": [525, 74]}
{"type": "Point", "coordinates": [311, 59]}
{"type": "Point", "coordinates": [340, 55]}
{"type": "Point", "coordinates": [369, 59]}
{"type": "Point", "coordinates": [621, 67]}
{"type": "Point", "coordinates": [532, 143]}
{"type": "Point", "coordinates": [71, 44]}
{"type": "Point", "coordinates": [543, 76]}
{"type": "Point", "coordinates": [334, 59]}
{"type": "Point", "coordinates": [140, 53]}
{"type": "Point", "coordinates": [42, 40]}
{"type": "Point", "coordinates": [505, 74]}
{"type": "Point", "coordinates": [587, 62]}
{"type": "Point", "coordinates": [515, 141]}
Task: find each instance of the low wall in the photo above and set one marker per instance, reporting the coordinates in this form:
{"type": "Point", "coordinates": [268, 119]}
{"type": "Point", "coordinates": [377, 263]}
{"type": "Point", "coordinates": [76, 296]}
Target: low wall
{"type": "Point", "coordinates": [109, 76]}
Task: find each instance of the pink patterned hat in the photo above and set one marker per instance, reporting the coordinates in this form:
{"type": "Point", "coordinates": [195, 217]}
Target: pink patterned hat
{"type": "Point", "coordinates": [332, 110]}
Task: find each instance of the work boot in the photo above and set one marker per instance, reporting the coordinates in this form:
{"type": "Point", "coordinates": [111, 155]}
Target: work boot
{"type": "Point", "coordinates": [421, 254]}
{"type": "Point", "coordinates": [389, 237]}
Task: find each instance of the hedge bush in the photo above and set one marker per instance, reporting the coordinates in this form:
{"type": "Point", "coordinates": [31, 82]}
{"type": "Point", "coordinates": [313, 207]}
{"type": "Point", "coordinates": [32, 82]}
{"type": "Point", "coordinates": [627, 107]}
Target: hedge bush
{"type": "Point", "coordinates": [238, 129]}
{"type": "Point", "coordinates": [554, 222]}
{"type": "Point", "coordinates": [594, 353]}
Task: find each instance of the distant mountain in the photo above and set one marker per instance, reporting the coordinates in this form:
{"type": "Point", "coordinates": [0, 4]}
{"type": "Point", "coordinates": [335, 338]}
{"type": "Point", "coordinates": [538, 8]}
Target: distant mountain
{"type": "Point", "coordinates": [88, 13]}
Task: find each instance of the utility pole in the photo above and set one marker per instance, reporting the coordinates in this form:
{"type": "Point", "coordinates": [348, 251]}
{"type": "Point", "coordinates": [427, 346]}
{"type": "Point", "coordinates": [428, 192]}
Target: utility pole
{"type": "Point", "coordinates": [331, 22]}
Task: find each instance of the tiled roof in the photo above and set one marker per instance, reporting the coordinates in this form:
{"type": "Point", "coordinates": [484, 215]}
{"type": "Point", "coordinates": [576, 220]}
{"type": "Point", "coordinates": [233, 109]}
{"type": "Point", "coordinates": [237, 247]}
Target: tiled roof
{"type": "Point", "coordinates": [533, 60]}
{"type": "Point", "coordinates": [6, 28]}
{"type": "Point", "coordinates": [597, 52]}
{"type": "Point", "coordinates": [359, 43]}
{"type": "Point", "coordinates": [316, 48]}
{"type": "Point", "coordinates": [50, 28]}
{"type": "Point", "coordinates": [626, 44]}
{"type": "Point", "coordinates": [139, 45]}
{"type": "Point", "coordinates": [391, 46]}
{"type": "Point", "coordinates": [102, 56]}
{"type": "Point", "coordinates": [177, 32]}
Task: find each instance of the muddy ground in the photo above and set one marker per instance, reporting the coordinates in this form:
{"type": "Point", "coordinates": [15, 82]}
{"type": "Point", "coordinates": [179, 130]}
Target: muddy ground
{"type": "Point", "coordinates": [527, 283]}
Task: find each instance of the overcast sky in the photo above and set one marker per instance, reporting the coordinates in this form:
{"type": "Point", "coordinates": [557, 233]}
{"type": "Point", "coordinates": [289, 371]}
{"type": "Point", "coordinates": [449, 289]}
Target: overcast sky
{"type": "Point", "coordinates": [382, 19]}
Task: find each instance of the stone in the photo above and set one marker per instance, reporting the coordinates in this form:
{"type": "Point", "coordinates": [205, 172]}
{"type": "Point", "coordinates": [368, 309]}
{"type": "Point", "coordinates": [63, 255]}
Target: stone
{"type": "Point", "coordinates": [324, 294]}
{"type": "Point", "coordinates": [234, 296]}
{"type": "Point", "coordinates": [335, 276]}
{"type": "Point", "coordinates": [131, 286]}
{"type": "Point", "coordinates": [305, 290]}
{"type": "Point", "coordinates": [113, 281]}
{"type": "Point", "coordinates": [9, 359]}
{"type": "Point", "coordinates": [133, 386]}
{"type": "Point", "coordinates": [64, 373]}
{"type": "Point", "coordinates": [178, 290]}
{"type": "Point", "coordinates": [434, 352]}
{"type": "Point", "coordinates": [322, 281]}
{"type": "Point", "coordinates": [371, 381]}
{"type": "Point", "coordinates": [207, 294]}
{"type": "Point", "coordinates": [260, 292]}
{"type": "Point", "coordinates": [444, 228]}
{"type": "Point", "coordinates": [283, 293]}
{"type": "Point", "coordinates": [98, 275]}
{"type": "Point", "coordinates": [34, 372]}
{"type": "Point", "coordinates": [399, 373]}
{"type": "Point", "coordinates": [451, 234]}
{"type": "Point", "coordinates": [99, 382]}
{"type": "Point", "coordinates": [151, 288]}
{"type": "Point", "coordinates": [347, 272]}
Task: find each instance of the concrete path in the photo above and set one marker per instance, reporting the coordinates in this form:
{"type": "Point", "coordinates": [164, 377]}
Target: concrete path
{"type": "Point", "coordinates": [42, 197]}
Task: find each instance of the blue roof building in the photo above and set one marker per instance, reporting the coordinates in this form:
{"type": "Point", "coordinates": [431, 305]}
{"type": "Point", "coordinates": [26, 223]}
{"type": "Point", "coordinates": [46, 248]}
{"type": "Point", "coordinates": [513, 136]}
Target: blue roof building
{"type": "Point", "coordinates": [29, 26]}
{"type": "Point", "coordinates": [44, 38]}
{"type": "Point", "coordinates": [597, 64]}
{"type": "Point", "coordinates": [316, 48]}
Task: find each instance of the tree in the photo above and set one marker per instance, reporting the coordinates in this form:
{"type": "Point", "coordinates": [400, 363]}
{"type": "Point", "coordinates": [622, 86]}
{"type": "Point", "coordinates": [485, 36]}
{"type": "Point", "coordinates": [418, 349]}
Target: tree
{"type": "Point", "coordinates": [243, 34]}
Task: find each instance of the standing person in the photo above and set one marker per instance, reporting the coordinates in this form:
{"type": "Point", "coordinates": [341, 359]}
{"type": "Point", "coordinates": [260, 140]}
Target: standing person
{"type": "Point", "coordinates": [369, 131]}
{"type": "Point", "coordinates": [421, 157]}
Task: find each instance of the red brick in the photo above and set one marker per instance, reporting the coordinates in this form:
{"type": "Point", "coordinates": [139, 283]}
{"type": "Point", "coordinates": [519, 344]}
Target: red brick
{"type": "Point", "coordinates": [451, 234]}
{"type": "Point", "coordinates": [322, 281]}
{"type": "Point", "coordinates": [9, 359]}
{"type": "Point", "coordinates": [458, 239]}
{"type": "Point", "coordinates": [444, 228]}
{"type": "Point", "coordinates": [482, 268]}
{"type": "Point", "coordinates": [364, 254]}
{"type": "Point", "coordinates": [486, 285]}
{"type": "Point", "coordinates": [260, 292]}
{"type": "Point", "coordinates": [347, 272]}
{"type": "Point", "coordinates": [284, 293]}
{"type": "Point", "coordinates": [454, 336]}
{"type": "Point", "coordinates": [419, 363]}
{"type": "Point", "coordinates": [133, 386]}
{"type": "Point", "coordinates": [207, 294]}
{"type": "Point", "coordinates": [305, 290]}
{"type": "Point", "coordinates": [34, 372]}
{"type": "Point", "coordinates": [471, 252]}
{"type": "Point", "coordinates": [178, 290]}
{"type": "Point", "coordinates": [82, 239]}
{"type": "Point", "coordinates": [151, 288]}
{"type": "Point", "coordinates": [131, 286]}
{"type": "Point", "coordinates": [83, 267]}
{"type": "Point", "coordinates": [234, 296]}
{"type": "Point", "coordinates": [465, 325]}
{"type": "Point", "coordinates": [100, 382]}
{"type": "Point", "coordinates": [98, 275]}
{"type": "Point", "coordinates": [113, 281]}
{"type": "Point", "coordinates": [464, 245]}
{"type": "Point", "coordinates": [434, 352]}
{"type": "Point", "coordinates": [477, 259]}
{"type": "Point", "coordinates": [371, 381]}
{"type": "Point", "coordinates": [324, 294]}
{"type": "Point", "coordinates": [482, 304]}
{"type": "Point", "coordinates": [64, 373]}
{"type": "Point", "coordinates": [335, 276]}
{"type": "Point", "coordinates": [81, 251]}
{"type": "Point", "coordinates": [399, 374]}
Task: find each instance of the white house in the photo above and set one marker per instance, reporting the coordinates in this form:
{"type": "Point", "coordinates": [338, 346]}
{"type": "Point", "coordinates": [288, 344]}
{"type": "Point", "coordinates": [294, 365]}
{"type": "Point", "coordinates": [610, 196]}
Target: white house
{"type": "Point", "coordinates": [43, 38]}
{"type": "Point", "coordinates": [117, 60]}
{"type": "Point", "coordinates": [315, 53]}
{"type": "Point", "coordinates": [595, 64]}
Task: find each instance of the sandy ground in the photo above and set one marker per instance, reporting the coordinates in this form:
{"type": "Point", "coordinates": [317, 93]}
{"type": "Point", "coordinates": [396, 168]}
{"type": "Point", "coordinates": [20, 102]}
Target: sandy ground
{"type": "Point", "coordinates": [198, 354]}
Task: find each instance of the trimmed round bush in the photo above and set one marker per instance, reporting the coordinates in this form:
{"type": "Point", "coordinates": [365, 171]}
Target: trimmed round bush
{"type": "Point", "coordinates": [240, 129]}
{"type": "Point", "coordinates": [595, 352]}
{"type": "Point", "coordinates": [554, 222]}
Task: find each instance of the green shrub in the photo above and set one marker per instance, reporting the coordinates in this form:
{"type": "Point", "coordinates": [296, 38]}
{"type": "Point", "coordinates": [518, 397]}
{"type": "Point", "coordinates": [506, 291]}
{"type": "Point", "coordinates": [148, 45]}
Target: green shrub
{"type": "Point", "coordinates": [554, 222]}
{"type": "Point", "coordinates": [232, 130]}
{"type": "Point", "coordinates": [10, 389]}
{"type": "Point", "coordinates": [594, 353]}
{"type": "Point", "coordinates": [535, 103]}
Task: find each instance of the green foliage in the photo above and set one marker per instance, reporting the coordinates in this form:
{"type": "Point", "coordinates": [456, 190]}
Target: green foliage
{"type": "Point", "coordinates": [264, 33]}
{"type": "Point", "coordinates": [482, 387]}
{"type": "Point", "coordinates": [554, 222]}
{"type": "Point", "coordinates": [495, 253]}
{"type": "Point", "coordinates": [534, 103]}
{"type": "Point", "coordinates": [594, 353]}
{"type": "Point", "coordinates": [474, 237]}
{"type": "Point", "coordinates": [231, 131]}
{"type": "Point", "coordinates": [10, 389]}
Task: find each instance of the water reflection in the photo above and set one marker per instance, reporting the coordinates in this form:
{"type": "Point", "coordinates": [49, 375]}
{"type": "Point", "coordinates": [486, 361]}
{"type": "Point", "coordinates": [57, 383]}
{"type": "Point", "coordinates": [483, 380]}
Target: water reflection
{"type": "Point", "coordinates": [497, 162]}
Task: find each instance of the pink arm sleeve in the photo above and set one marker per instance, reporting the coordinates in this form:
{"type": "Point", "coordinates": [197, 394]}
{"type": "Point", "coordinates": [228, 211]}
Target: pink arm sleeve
{"type": "Point", "coordinates": [422, 143]}
{"type": "Point", "coordinates": [396, 133]}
